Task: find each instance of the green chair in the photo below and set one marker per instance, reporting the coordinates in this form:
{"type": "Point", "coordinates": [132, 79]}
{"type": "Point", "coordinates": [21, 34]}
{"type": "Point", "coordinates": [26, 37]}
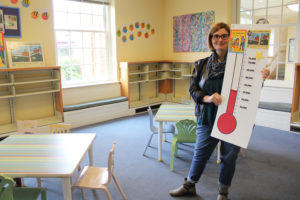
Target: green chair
{"type": "Point", "coordinates": [9, 192]}
{"type": "Point", "coordinates": [186, 134]}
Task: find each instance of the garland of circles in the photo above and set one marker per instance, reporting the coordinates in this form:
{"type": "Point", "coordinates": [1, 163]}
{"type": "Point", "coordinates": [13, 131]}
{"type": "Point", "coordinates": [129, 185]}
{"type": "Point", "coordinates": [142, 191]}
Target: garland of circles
{"type": "Point", "coordinates": [138, 29]}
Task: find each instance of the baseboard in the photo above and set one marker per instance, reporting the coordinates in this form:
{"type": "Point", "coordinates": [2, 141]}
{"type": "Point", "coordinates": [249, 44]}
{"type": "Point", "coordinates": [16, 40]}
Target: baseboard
{"type": "Point", "coordinates": [97, 114]}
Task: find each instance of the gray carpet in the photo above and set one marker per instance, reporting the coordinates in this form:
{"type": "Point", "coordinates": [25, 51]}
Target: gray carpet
{"type": "Point", "coordinates": [271, 170]}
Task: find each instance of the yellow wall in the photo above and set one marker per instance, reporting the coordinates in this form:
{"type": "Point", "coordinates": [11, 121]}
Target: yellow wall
{"type": "Point", "coordinates": [179, 7]}
{"type": "Point", "coordinates": [37, 30]}
{"type": "Point", "coordinates": [140, 49]}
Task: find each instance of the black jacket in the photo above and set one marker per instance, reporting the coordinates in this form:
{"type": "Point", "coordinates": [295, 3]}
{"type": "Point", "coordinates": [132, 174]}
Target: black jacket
{"type": "Point", "coordinates": [195, 90]}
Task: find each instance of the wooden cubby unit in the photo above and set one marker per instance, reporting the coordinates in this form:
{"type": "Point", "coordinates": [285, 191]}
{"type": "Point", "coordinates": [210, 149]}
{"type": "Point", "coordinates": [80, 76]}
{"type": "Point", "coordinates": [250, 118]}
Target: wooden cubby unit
{"type": "Point", "coordinates": [153, 82]}
{"type": "Point", "coordinates": [295, 111]}
{"type": "Point", "coordinates": [30, 94]}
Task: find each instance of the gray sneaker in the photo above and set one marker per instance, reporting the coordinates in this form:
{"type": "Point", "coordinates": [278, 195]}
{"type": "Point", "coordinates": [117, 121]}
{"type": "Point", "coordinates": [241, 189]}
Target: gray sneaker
{"type": "Point", "coordinates": [222, 197]}
{"type": "Point", "coordinates": [187, 189]}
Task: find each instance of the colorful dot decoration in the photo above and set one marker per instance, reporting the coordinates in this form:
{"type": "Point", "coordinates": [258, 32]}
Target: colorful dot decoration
{"type": "Point", "coordinates": [14, 1]}
{"type": "Point", "coordinates": [138, 29]}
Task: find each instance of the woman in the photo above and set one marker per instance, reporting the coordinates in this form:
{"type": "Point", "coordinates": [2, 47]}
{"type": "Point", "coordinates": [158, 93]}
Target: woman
{"type": "Point", "coordinates": [205, 89]}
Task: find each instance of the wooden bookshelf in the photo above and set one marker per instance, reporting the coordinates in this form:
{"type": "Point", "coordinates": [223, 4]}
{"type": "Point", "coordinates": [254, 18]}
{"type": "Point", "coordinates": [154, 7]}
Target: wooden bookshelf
{"type": "Point", "coordinates": [30, 94]}
{"type": "Point", "coordinates": [153, 82]}
{"type": "Point", "coordinates": [295, 111]}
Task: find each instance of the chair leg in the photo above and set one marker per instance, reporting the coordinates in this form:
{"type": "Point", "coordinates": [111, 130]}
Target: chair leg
{"type": "Point", "coordinates": [43, 195]}
{"type": "Point", "coordinates": [173, 150]}
{"type": "Point", "coordinates": [107, 193]}
{"type": "Point", "coordinates": [119, 186]}
{"type": "Point", "coordinates": [243, 152]}
{"type": "Point", "coordinates": [148, 144]}
{"type": "Point", "coordinates": [82, 193]}
{"type": "Point", "coordinates": [218, 152]}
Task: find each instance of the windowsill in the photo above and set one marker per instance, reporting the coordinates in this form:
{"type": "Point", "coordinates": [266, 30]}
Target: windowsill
{"type": "Point", "coordinates": [79, 85]}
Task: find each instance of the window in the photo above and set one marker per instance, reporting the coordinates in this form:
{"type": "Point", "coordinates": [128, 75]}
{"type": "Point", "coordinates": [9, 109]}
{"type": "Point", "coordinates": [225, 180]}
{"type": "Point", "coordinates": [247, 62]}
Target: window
{"type": "Point", "coordinates": [284, 22]}
{"type": "Point", "coordinates": [83, 41]}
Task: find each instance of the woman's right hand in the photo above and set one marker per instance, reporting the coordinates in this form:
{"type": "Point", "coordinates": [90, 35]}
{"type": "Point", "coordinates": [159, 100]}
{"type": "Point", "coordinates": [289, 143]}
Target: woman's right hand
{"type": "Point", "coordinates": [216, 98]}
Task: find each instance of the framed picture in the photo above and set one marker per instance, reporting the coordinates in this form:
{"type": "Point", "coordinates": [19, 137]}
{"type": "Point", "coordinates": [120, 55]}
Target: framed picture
{"type": "Point", "coordinates": [10, 23]}
{"type": "Point", "coordinates": [2, 53]}
{"type": "Point", "coordinates": [291, 55]}
{"type": "Point", "coordinates": [25, 54]}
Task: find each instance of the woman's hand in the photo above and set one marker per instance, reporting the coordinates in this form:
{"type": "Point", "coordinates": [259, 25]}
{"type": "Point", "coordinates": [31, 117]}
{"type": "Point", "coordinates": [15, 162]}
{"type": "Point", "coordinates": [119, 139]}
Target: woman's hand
{"type": "Point", "coordinates": [265, 73]}
{"type": "Point", "coordinates": [216, 98]}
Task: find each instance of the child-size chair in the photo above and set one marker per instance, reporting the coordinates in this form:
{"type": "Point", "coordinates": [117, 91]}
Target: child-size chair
{"type": "Point", "coordinates": [97, 178]}
{"type": "Point", "coordinates": [186, 134]}
{"type": "Point", "coordinates": [60, 128]}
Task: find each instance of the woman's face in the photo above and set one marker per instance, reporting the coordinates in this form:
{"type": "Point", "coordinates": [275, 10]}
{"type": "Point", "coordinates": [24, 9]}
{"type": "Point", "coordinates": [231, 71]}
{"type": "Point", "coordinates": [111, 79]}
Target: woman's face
{"type": "Point", "coordinates": [220, 40]}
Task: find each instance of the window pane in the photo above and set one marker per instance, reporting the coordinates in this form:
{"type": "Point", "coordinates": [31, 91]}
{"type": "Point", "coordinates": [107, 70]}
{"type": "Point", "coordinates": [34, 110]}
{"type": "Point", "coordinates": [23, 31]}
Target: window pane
{"type": "Point", "coordinates": [274, 15]}
{"type": "Point", "coordinates": [246, 17]}
{"type": "Point", "coordinates": [87, 22]}
{"type": "Point", "coordinates": [73, 7]}
{"type": "Point", "coordinates": [274, 3]}
{"type": "Point", "coordinates": [98, 23]}
{"type": "Point", "coordinates": [88, 73]}
{"type": "Point", "coordinates": [60, 20]}
{"type": "Point", "coordinates": [260, 4]}
{"type": "Point", "coordinates": [86, 8]}
{"type": "Point", "coordinates": [74, 21]}
{"type": "Point", "coordinates": [59, 5]}
{"type": "Point", "coordinates": [87, 56]}
{"type": "Point", "coordinates": [289, 16]}
{"type": "Point", "coordinates": [246, 5]}
{"type": "Point", "coordinates": [66, 72]}
{"type": "Point", "coordinates": [76, 73]}
{"type": "Point", "coordinates": [77, 56]}
{"type": "Point", "coordinates": [76, 40]}
{"type": "Point", "coordinates": [62, 39]}
{"type": "Point", "coordinates": [259, 14]}
{"type": "Point", "coordinates": [87, 40]}
{"type": "Point", "coordinates": [63, 55]}
{"type": "Point", "coordinates": [98, 9]}
{"type": "Point", "coordinates": [100, 41]}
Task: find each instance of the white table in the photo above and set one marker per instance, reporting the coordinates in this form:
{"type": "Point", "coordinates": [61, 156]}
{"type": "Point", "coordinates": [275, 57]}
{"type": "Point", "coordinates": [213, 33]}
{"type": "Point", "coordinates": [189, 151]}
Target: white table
{"type": "Point", "coordinates": [172, 113]}
{"type": "Point", "coordinates": [45, 155]}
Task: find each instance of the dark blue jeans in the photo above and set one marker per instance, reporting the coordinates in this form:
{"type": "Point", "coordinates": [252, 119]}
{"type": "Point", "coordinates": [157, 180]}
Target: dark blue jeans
{"type": "Point", "coordinates": [205, 145]}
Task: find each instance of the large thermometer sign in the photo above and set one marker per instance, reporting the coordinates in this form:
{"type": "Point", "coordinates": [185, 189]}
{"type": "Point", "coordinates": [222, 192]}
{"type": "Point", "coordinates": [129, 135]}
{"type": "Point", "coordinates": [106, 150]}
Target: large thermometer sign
{"type": "Point", "coordinates": [247, 55]}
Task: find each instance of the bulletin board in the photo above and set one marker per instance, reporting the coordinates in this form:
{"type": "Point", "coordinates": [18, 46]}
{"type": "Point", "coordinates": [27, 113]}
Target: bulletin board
{"type": "Point", "coordinates": [10, 23]}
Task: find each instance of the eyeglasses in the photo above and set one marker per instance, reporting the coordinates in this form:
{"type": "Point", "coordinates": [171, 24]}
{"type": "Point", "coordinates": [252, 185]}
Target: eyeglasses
{"type": "Point", "coordinates": [223, 36]}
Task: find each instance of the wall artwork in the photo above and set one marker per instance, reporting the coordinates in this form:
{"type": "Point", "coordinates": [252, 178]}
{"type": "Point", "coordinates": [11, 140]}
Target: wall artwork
{"type": "Point", "coordinates": [25, 54]}
{"type": "Point", "coordinates": [10, 23]}
{"type": "Point", "coordinates": [2, 52]}
{"type": "Point", "coordinates": [190, 32]}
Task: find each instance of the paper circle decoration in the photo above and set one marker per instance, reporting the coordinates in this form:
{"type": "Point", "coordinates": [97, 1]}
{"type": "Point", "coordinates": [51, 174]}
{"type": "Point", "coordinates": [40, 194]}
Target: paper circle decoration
{"type": "Point", "coordinates": [137, 25]}
{"type": "Point", "coordinates": [152, 31]}
{"type": "Point", "coordinates": [14, 1]}
{"type": "Point", "coordinates": [45, 15]}
{"type": "Point", "coordinates": [35, 14]}
{"type": "Point", "coordinates": [148, 26]}
{"type": "Point", "coordinates": [131, 27]}
{"type": "Point", "coordinates": [142, 25]}
{"type": "Point", "coordinates": [124, 29]}
{"type": "Point", "coordinates": [131, 37]}
{"type": "Point", "coordinates": [146, 35]}
{"type": "Point", "coordinates": [118, 33]}
{"type": "Point", "coordinates": [139, 34]}
{"type": "Point", "coordinates": [26, 3]}
{"type": "Point", "coordinates": [124, 38]}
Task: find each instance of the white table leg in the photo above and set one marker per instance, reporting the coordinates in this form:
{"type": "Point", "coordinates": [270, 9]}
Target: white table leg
{"type": "Point", "coordinates": [160, 128]}
{"type": "Point", "coordinates": [91, 157]}
{"type": "Point", "coordinates": [67, 188]}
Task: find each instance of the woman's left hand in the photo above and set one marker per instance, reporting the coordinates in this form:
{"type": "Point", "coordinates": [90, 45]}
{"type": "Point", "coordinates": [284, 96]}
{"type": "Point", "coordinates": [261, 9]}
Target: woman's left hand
{"type": "Point", "coordinates": [265, 73]}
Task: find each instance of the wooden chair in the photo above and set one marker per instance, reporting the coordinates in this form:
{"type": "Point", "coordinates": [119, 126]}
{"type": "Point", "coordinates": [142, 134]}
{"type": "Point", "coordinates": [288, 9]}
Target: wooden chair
{"type": "Point", "coordinates": [186, 134]}
{"type": "Point", "coordinates": [60, 128]}
{"type": "Point", "coordinates": [168, 128]}
{"type": "Point", "coordinates": [98, 178]}
{"type": "Point", "coordinates": [8, 192]}
{"type": "Point", "coordinates": [27, 126]}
